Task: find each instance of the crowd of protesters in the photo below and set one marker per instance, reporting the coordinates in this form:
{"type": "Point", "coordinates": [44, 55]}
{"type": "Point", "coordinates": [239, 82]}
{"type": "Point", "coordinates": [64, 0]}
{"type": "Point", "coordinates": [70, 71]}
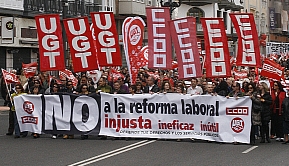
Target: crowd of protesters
{"type": "Point", "coordinates": [269, 99]}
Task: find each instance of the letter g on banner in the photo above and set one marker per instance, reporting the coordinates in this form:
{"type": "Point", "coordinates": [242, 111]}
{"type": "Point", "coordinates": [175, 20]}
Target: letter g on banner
{"type": "Point", "coordinates": [85, 107]}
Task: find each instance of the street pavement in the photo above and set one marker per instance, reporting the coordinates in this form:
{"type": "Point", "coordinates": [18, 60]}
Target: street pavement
{"type": "Point", "coordinates": [45, 151]}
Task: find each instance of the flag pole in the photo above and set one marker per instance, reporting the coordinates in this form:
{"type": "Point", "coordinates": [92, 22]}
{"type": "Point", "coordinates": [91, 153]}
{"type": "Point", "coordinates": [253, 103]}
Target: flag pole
{"type": "Point", "coordinates": [8, 91]}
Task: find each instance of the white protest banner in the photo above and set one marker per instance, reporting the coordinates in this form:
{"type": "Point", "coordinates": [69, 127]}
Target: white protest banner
{"type": "Point", "coordinates": [28, 116]}
{"type": "Point", "coordinates": [276, 48]}
{"type": "Point", "coordinates": [63, 114]}
{"type": "Point", "coordinates": [173, 116]}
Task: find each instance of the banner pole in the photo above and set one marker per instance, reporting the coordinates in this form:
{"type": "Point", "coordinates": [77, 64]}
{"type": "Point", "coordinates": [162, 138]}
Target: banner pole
{"type": "Point", "coordinates": [8, 91]}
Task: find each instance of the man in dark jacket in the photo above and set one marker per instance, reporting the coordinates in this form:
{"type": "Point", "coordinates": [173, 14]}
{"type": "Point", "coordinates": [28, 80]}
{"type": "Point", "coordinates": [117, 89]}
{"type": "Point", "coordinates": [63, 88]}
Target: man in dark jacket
{"type": "Point", "coordinates": [151, 86]}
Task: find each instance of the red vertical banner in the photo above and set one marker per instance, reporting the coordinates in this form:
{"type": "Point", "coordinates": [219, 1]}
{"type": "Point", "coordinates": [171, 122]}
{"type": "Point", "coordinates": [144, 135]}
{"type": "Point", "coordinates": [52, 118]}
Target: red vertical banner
{"type": "Point", "coordinates": [216, 46]}
{"type": "Point", "coordinates": [248, 40]}
{"type": "Point", "coordinates": [51, 52]}
{"type": "Point", "coordinates": [184, 37]}
{"type": "Point", "coordinates": [107, 45]}
{"type": "Point", "coordinates": [81, 44]}
{"type": "Point", "coordinates": [133, 32]}
{"type": "Point", "coordinates": [159, 38]}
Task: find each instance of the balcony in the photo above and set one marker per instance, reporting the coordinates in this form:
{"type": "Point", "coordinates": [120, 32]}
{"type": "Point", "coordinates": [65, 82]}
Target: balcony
{"type": "Point", "coordinates": [75, 8]}
{"type": "Point", "coordinates": [199, 2]}
{"type": "Point", "coordinates": [229, 5]}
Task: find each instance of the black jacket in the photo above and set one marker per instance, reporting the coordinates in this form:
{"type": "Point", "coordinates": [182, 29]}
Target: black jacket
{"type": "Point", "coordinates": [154, 89]}
{"type": "Point", "coordinates": [285, 109]}
{"type": "Point", "coordinates": [266, 110]}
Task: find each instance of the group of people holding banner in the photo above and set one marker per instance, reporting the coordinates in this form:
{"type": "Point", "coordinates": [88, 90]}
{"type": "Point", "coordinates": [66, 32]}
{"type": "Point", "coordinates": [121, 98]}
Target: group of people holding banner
{"type": "Point", "coordinates": [269, 98]}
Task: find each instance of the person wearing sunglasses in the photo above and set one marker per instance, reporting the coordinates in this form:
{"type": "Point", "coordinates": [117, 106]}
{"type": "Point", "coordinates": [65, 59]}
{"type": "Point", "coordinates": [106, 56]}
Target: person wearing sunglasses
{"type": "Point", "coordinates": [278, 95]}
{"type": "Point", "coordinates": [236, 92]}
{"type": "Point", "coordinates": [18, 91]}
{"type": "Point", "coordinates": [69, 87]}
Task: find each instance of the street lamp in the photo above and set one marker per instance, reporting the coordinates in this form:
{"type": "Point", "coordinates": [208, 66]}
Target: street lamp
{"type": "Point", "coordinates": [171, 4]}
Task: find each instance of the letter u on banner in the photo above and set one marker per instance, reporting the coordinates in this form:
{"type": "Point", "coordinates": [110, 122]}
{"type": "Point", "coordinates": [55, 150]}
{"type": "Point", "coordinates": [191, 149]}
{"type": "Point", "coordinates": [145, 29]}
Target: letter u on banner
{"type": "Point", "coordinates": [51, 53]}
{"type": "Point", "coordinates": [248, 40]}
{"type": "Point", "coordinates": [184, 36]}
{"type": "Point", "coordinates": [159, 38]}
{"type": "Point", "coordinates": [107, 44]}
{"type": "Point", "coordinates": [217, 51]}
{"type": "Point", "coordinates": [81, 44]}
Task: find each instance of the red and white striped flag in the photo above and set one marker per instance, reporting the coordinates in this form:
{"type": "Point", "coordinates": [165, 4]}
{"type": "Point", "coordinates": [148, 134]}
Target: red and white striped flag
{"type": "Point", "coordinates": [69, 75]}
{"type": "Point", "coordinates": [10, 77]}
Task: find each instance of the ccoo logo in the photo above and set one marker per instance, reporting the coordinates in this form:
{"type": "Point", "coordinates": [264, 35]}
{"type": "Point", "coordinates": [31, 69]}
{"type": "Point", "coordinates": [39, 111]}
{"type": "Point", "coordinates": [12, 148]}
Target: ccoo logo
{"type": "Point", "coordinates": [237, 125]}
{"type": "Point", "coordinates": [28, 107]}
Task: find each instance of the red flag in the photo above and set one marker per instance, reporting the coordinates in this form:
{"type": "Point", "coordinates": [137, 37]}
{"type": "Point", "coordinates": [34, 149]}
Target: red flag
{"type": "Point", "coordinates": [217, 51]}
{"type": "Point", "coordinates": [133, 38]}
{"type": "Point", "coordinates": [49, 32]}
{"type": "Point", "coordinates": [174, 64]}
{"type": "Point", "coordinates": [81, 44]}
{"type": "Point", "coordinates": [240, 75]}
{"type": "Point", "coordinates": [10, 77]}
{"type": "Point", "coordinates": [248, 40]}
{"type": "Point", "coordinates": [29, 69]}
{"type": "Point", "coordinates": [69, 75]}
{"type": "Point", "coordinates": [107, 45]}
{"type": "Point", "coordinates": [272, 69]}
{"type": "Point", "coordinates": [159, 38]}
{"type": "Point", "coordinates": [115, 75]}
{"type": "Point", "coordinates": [183, 33]}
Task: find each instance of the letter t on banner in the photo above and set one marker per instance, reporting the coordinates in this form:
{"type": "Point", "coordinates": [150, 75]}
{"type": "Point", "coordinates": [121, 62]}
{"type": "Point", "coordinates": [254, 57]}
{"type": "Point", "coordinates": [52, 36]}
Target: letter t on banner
{"type": "Point", "coordinates": [248, 40]}
{"type": "Point", "coordinates": [159, 38]}
{"type": "Point", "coordinates": [184, 36]}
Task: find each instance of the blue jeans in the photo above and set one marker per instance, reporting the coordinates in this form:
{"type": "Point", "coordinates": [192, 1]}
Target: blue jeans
{"type": "Point", "coordinates": [16, 126]}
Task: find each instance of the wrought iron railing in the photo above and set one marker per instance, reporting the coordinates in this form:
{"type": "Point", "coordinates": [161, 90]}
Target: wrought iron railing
{"type": "Point", "coordinates": [74, 8]}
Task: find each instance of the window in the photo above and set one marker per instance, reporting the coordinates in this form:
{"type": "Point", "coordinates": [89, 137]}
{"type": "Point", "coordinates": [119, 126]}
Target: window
{"type": "Point", "coordinates": [197, 13]}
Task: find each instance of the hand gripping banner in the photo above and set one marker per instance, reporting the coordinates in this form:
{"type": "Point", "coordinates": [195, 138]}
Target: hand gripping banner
{"type": "Point", "coordinates": [133, 33]}
{"type": "Point", "coordinates": [217, 51]}
{"type": "Point", "coordinates": [185, 41]}
{"type": "Point", "coordinates": [51, 52]}
{"type": "Point", "coordinates": [107, 45]}
{"type": "Point", "coordinates": [159, 38]}
{"type": "Point", "coordinates": [248, 40]}
{"type": "Point", "coordinates": [81, 44]}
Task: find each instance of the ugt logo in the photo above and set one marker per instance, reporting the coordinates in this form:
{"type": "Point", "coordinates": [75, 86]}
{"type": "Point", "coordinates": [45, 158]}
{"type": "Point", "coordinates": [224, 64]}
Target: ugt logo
{"type": "Point", "coordinates": [237, 125]}
{"type": "Point", "coordinates": [28, 107]}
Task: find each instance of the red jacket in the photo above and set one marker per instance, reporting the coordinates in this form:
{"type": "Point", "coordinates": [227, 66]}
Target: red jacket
{"type": "Point", "coordinates": [282, 96]}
